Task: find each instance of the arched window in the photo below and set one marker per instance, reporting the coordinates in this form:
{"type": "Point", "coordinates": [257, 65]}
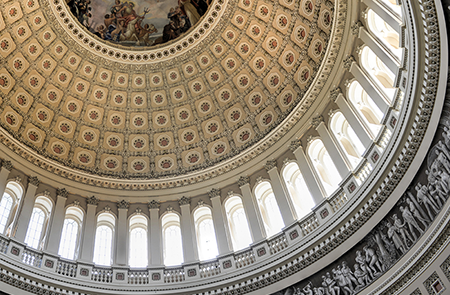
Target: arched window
{"type": "Point", "coordinates": [38, 222]}
{"type": "Point", "coordinates": [273, 221]}
{"type": "Point", "coordinates": [8, 205]}
{"type": "Point", "coordinates": [324, 166]}
{"type": "Point", "coordinates": [206, 236]}
{"type": "Point", "coordinates": [138, 241]}
{"type": "Point", "coordinates": [347, 138]}
{"type": "Point", "coordinates": [365, 106]}
{"type": "Point", "coordinates": [172, 244]}
{"type": "Point", "coordinates": [379, 72]}
{"type": "Point", "coordinates": [104, 238]}
{"type": "Point", "coordinates": [237, 222]}
{"type": "Point", "coordinates": [392, 4]}
{"type": "Point", "coordinates": [384, 32]}
{"type": "Point", "coordinates": [70, 236]}
{"type": "Point", "coordinates": [298, 190]}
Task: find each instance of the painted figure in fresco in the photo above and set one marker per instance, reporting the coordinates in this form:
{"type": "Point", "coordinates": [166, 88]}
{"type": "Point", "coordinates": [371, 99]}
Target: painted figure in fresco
{"type": "Point", "coordinates": [342, 281]}
{"type": "Point", "coordinates": [190, 10]}
{"type": "Point", "coordinates": [372, 260]}
{"type": "Point", "coordinates": [362, 264]}
{"type": "Point", "coordinates": [412, 223]}
{"type": "Point", "coordinates": [400, 227]}
{"type": "Point", "coordinates": [361, 276]}
{"type": "Point", "coordinates": [392, 234]}
{"type": "Point", "coordinates": [416, 213]}
{"type": "Point", "coordinates": [423, 198]}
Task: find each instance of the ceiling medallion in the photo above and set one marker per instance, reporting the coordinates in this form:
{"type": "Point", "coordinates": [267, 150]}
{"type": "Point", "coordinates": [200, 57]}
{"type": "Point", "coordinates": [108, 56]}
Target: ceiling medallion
{"type": "Point", "coordinates": [140, 30]}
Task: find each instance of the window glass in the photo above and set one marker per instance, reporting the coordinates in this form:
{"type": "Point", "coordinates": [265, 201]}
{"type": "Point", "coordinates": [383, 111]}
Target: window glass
{"type": "Point", "coordinates": [138, 247]}
{"type": "Point", "coordinates": [103, 245]}
{"type": "Point", "coordinates": [34, 232]}
{"type": "Point", "coordinates": [69, 237]}
{"type": "Point", "coordinates": [5, 210]}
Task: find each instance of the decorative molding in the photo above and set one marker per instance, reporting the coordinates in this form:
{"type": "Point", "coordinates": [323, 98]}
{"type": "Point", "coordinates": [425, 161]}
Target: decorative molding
{"type": "Point", "coordinates": [334, 93]}
{"type": "Point", "coordinates": [295, 144]}
{"type": "Point", "coordinates": [62, 192]}
{"type": "Point", "coordinates": [348, 62]}
{"type": "Point", "coordinates": [270, 164]}
{"type": "Point", "coordinates": [315, 122]}
{"type": "Point", "coordinates": [154, 204]}
{"type": "Point", "coordinates": [123, 204]}
{"type": "Point", "coordinates": [243, 180]}
{"type": "Point", "coordinates": [34, 181]}
{"type": "Point", "coordinates": [7, 165]}
{"type": "Point", "coordinates": [93, 200]}
{"type": "Point", "coordinates": [214, 193]}
{"type": "Point", "coordinates": [355, 28]}
{"type": "Point", "coordinates": [184, 201]}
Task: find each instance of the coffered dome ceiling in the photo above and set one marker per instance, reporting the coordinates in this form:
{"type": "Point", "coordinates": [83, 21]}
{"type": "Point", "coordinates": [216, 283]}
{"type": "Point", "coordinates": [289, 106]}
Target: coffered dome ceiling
{"type": "Point", "coordinates": [146, 112]}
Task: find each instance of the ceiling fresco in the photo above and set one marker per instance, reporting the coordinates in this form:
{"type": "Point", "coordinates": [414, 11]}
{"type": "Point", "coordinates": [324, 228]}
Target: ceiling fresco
{"type": "Point", "coordinates": [138, 23]}
{"type": "Point", "coordinates": [126, 109]}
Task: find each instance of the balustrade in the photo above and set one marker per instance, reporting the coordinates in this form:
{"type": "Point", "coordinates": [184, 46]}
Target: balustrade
{"type": "Point", "coordinates": [138, 277]}
{"type": "Point", "coordinates": [244, 258]}
{"type": "Point", "coordinates": [66, 268]}
{"type": "Point", "coordinates": [103, 275]}
{"type": "Point", "coordinates": [31, 257]}
{"type": "Point", "coordinates": [277, 243]}
{"type": "Point", "coordinates": [210, 269]}
{"type": "Point", "coordinates": [4, 242]}
{"type": "Point", "coordinates": [338, 200]}
{"type": "Point", "coordinates": [309, 223]}
{"type": "Point", "coordinates": [174, 275]}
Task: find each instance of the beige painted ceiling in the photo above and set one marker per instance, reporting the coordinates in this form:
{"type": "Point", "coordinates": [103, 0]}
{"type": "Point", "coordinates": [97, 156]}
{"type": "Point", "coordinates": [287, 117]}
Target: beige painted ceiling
{"type": "Point", "coordinates": [154, 112]}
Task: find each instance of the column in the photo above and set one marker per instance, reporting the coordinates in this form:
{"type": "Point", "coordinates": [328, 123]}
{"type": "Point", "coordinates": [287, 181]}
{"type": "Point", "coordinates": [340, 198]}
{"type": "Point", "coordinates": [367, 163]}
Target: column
{"type": "Point", "coordinates": [190, 249]}
{"type": "Point", "coordinates": [57, 222]}
{"type": "Point", "coordinates": [27, 209]}
{"type": "Point", "coordinates": [252, 210]}
{"type": "Point", "coordinates": [373, 44]}
{"type": "Point", "coordinates": [155, 235]}
{"type": "Point", "coordinates": [353, 120]}
{"type": "Point", "coordinates": [121, 255]}
{"type": "Point", "coordinates": [307, 171]}
{"type": "Point", "coordinates": [222, 236]}
{"type": "Point", "coordinates": [90, 227]}
{"type": "Point", "coordinates": [377, 96]}
{"type": "Point", "coordinates": [283, 201]}
{"type": "Point", "coordinates": [336, 155]}
{"type": "Point", "coordinates": [384, 14]}
{"type": "Point", "coordinates": [4, 173]}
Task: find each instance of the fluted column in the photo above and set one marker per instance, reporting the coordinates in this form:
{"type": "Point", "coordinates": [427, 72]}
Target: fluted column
{"type": "Point", "coordinates": [121, 255]}
{"type": "Point", "coordinates": [155, 235]}
{"type": "Point", "coordinates": [222, 236]}
{"type": "Point", "coordinates": [4, 173]}
{"type": "Point", "coordinates": [352, 119]}
{"type": "Point", "coordinates": [57, 222]}
{"type": "Point", "coordinates": [307, 171]}
{"type": "Point", "coordinates": [333, 150]}
{"type": "Point", "coordinates": [384, 14]}
{"type": "Point", "coordinates": [283, 200]}
{"type": "Point", "coordinates": [251, 210]}
{"type": "Point", "coordinates": [190, 249]}
{"type": "Point", "coordinates": [90, 227]}
{"type": "Point", "coordinates": [27, 209]}
{"type": "Point", "coordinates": [377, 96]}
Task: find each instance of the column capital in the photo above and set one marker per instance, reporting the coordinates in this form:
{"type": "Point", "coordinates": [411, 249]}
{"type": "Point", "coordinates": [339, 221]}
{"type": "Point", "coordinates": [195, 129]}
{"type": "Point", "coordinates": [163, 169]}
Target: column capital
{"type": "Point", "coordinates": [93, 201]}
{"type": "Point", "coordinates": [214, 193]}
{"type": "Point", "coordinates": [334, 93]}
{"type": "Point", "coordinates": [355, 27]}
{"type": "Point", "coordinates": [243, 180]}
{"type": "Point", "coordinates": [184, 201]}
{"type": "Point", "coordinates": [295, 144]}
{"type": "Point", "coordinates": [34, 181]}
{"type": "Point", "coordinates": [7, 164]}
{"type": "Point", "coordinates": [315, 122]}
{"type": "Point", "coordinates": [62, 192]}
{"type": "Point", "coordinates": [270, 164]}
{"type": "Point", "coordinates": [153, 204]}
{"type": "Point", "coordinates": [348, 61]}
{"type": "Point", "coordinates": [123, 204]}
